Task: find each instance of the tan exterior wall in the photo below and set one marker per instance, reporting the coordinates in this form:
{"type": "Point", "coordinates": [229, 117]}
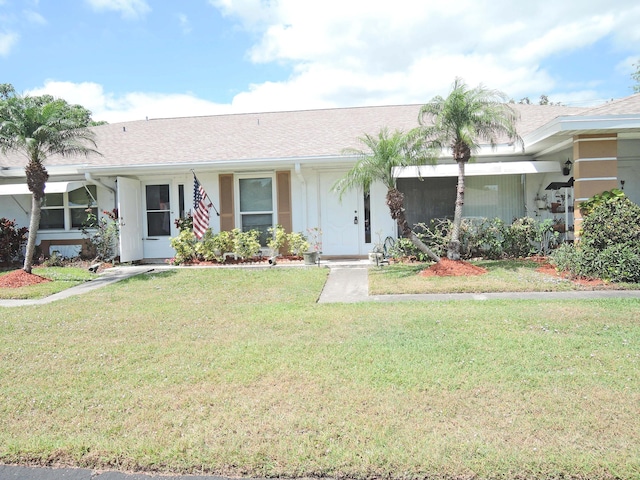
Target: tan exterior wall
{"type": "Point", "coordinates": [227, 211]}
{"type": "Point", "coordinates": [595, 169]}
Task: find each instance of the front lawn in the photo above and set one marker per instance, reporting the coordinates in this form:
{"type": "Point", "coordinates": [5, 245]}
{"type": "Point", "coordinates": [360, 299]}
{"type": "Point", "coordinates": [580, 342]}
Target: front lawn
{"type": "Point", "coordinates": [501, 276]}
{"type": "Point", "coordinates": [242, 373]}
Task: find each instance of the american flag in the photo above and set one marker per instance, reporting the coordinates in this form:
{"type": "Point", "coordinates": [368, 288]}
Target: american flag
{"type": "Point", "coordinates": [200, 209]}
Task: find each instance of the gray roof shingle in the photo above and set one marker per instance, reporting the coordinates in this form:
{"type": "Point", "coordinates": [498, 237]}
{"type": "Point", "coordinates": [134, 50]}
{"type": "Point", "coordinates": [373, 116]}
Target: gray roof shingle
{"type": "Point", "coordinates": [270, 135]}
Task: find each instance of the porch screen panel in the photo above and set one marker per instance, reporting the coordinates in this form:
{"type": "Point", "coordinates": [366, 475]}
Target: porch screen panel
{"type": "Point", "coordinates": [500, 196]}
{"type": "Point", "coordinates": [428, 198]}
{"type": "Point", "coordinates": [227, 220]}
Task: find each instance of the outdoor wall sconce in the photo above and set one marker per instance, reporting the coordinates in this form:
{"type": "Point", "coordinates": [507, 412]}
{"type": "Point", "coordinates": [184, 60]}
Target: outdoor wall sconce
{"type": "Point", "coordinates": [566, 170]}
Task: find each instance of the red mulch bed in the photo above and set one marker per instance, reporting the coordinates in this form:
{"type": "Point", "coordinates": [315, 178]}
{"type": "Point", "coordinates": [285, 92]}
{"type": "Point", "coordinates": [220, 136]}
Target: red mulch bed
{"type": "Point", "coordinates": [20, 278]}
{"type": "Point", "coordinates": [452, 268]}
{"type": "Point", "coordinates": [548, 269]}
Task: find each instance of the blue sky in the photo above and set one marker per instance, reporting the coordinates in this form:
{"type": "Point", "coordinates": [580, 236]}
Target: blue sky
{"type": "Point", "coordinates": [131, 59]}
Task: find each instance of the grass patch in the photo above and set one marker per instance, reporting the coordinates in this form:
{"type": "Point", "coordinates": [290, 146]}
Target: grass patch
{"type": "Point", "coordinates": [61, 279]}
{"type": "Point", "coordinates": [501, 276]}
{"type": "Point", "coordinates": [242, 373]}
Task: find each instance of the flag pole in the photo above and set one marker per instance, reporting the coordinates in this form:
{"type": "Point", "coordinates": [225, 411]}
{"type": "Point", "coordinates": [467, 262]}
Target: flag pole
{"type": "Point", "coordinates": [206, 194]}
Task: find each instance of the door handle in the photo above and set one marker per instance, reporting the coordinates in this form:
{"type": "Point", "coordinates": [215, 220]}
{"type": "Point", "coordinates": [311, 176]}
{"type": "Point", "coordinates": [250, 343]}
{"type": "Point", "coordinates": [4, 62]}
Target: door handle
{"type": "Point", "coordinates": [355, 219]}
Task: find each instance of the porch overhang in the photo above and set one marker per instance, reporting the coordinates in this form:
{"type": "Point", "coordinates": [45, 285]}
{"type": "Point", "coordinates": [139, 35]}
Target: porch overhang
{"type": "Point", "coordinates": [477, 169]}
{"type": "Point", "coordinates": [49, 187]}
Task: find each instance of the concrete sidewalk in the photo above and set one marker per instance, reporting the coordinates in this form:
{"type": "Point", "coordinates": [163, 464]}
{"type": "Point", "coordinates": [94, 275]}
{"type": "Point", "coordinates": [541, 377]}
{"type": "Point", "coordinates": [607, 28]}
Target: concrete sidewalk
{"type": "Point", "coordinates": [348, 283]}
{"type": "Point", "coordinates": [8, 472]}
{"type": "Point", "coordinates": [108, 277]}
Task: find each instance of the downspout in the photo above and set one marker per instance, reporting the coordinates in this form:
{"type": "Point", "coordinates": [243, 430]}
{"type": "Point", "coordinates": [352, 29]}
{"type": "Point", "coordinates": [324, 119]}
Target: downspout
{"type": "Point", "coordinates": [303, 184]}
{"type": "Point", "coordinates": [95, 181]}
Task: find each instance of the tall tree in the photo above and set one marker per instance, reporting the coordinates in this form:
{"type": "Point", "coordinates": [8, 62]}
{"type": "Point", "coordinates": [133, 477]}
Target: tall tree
{"type": "Point", "coordinates": [40, 127]}
{"type": "Point", "coordinates": [375, 164]}
{"type": "Point", "coordinates": [459, 123]}
{"type": "Point", "coordinates": [636, 77]}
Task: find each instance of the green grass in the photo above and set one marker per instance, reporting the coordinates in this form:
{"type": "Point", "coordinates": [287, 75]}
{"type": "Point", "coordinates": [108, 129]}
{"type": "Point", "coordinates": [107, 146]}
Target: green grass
{"type": "Point", "coordinates": [62, 278]}
{"type": "Point", "coordinates": [242, 373]}
{"type": "Point", "coordinates": [501, 276]}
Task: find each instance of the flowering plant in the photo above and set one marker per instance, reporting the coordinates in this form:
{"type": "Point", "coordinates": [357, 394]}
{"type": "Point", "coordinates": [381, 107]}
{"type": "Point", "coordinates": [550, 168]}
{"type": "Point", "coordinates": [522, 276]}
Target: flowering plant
{"type": "Point", "coordinates": [315, 239]}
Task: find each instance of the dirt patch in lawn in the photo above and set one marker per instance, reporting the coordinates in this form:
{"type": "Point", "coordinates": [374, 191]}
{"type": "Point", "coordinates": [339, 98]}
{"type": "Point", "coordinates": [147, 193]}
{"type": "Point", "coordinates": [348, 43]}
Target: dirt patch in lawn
{"type": "Point", "coordinates": [20, 278]}
{"type": "Point", "coordinates": [452, 268]}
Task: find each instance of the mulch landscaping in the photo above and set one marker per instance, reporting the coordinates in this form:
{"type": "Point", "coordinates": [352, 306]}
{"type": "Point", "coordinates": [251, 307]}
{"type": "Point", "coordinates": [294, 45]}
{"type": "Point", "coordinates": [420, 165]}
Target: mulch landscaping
{"type": "Point", "coordinates": [20, 278]}
{"type": "Point", "coordinates": [452, 268]}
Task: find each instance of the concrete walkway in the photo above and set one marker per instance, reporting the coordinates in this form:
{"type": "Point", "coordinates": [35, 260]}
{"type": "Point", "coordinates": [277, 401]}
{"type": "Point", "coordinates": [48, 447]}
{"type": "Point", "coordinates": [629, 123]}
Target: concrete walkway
{"type": "Point", "coordinates": [348, 283]}
{"type": "Point", "coordinates": [107, 277]}
{"type": "Point", "coordinates": [8, 472]}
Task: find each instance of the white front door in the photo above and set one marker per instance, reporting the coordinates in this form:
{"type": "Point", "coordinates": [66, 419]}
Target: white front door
{"type": "Point", "coordinates": [130, 214]}
{"type": "Point", "coordinates": [340, 220]}
{"type": "Point", "coordinates": [158, 204]}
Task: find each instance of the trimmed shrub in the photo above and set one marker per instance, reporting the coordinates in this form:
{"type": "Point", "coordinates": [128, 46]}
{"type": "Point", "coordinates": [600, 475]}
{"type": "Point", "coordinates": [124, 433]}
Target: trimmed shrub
{"type": "Point", "coordinates": [297, 243]}
{"type": "Point", "coordinates": [12, 240]}
{"type": "Point", "coordinates": [246, 244]}
{"type": "Point", "coordinates": [609, 245]}
{"type": "Point", "coordinates": [185, 246]}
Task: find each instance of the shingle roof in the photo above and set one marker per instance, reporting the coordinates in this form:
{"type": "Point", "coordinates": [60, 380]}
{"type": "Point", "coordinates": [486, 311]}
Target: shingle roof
{"type": "Point", "coordinates": [623, 106]}
{"type": "Point", "coordinates": [273, 135]}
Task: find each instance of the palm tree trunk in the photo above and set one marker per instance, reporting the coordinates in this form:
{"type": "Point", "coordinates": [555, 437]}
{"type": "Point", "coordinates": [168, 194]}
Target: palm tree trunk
{"type": "Point", "coordinates": [395, 202]}
{"type": "Point", "coordinates": [34, 223]}
{"type": "Point", "coordinates": [453, 249]}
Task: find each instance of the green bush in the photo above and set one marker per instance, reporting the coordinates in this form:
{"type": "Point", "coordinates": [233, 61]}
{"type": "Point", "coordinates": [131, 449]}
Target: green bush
{"type": "Point", "coordinates": [12, 239]}
{"type": "Point", "coordinates": [222, 243]}
{"type": "Point", "coordinates": [297, 243]}
{"type": "Point", "coordinates": [276, 239]}
{"type": "Point", "coordinates": [520, 238]}
{"type": "Point", "coordinates": [206, 248]}
{"type": "Point", "coordinates": [620, 263]}
{"type": "Point", "coordinates": [185, 246]}
{"type": "Point", "coordinates": [609, 244]}
{"type": "Point", "coordinates": [491, 238]}
{"type": "Point", "coordinates": [246, 244]}
{"type": "Point", "coordinates": [404, 248]}
{"type": "Point", "coordinates": [103, 234]}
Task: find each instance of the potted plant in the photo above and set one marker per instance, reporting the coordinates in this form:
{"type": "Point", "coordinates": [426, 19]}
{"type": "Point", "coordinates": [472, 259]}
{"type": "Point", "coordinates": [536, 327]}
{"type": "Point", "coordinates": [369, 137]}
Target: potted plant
{"type": "Point", "coordinates": [376, 255]}
{"type": "Point", "coordinates": [315, 246]}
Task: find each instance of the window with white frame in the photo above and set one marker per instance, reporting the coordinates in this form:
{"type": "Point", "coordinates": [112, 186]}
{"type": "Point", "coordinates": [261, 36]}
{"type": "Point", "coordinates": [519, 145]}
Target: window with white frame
{"type": "Point", "coordinates": [256, 205]}
{"type": "Point", "coordinates": [66, 211]}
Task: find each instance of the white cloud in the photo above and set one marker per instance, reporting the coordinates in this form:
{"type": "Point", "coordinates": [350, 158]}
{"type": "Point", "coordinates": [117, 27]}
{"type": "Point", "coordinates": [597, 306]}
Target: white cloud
{"type": "Point", "coordinates": [131, 106]}
{"type": "Point", "coordinates": [130, 9]}
{"type": "Point", "coordinates": [185, 25]}
{"type": "Point", "coordinates": [364, 52]}
{"type": "Point", "coordinates": [7, 41]}
{"type": "Point", "coordinates": [34, 17]}
{"type": "Point", "coordinates": [369, 52]}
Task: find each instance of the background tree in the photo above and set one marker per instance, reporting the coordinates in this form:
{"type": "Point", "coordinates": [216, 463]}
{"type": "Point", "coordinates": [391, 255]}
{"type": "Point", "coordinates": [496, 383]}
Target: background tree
{"type": "Point", "coordinates": [375, 164]}
{"type": "Point", "coordinates": [636, 77]}
{"type": "Point", "coordinates": [459, 123]}
{"type": "Point", "coordinates": [6, 91]}
{"type": "Point", "coordinates": [40, 127]}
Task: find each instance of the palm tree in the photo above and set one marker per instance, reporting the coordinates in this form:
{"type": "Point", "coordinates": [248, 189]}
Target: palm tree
{"type": "Point", "coordinates": [375, 164]}
{"type": "Point", "coordinates": [40, 127]}
{"type": "Point", "coordinates": [459, 123]}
